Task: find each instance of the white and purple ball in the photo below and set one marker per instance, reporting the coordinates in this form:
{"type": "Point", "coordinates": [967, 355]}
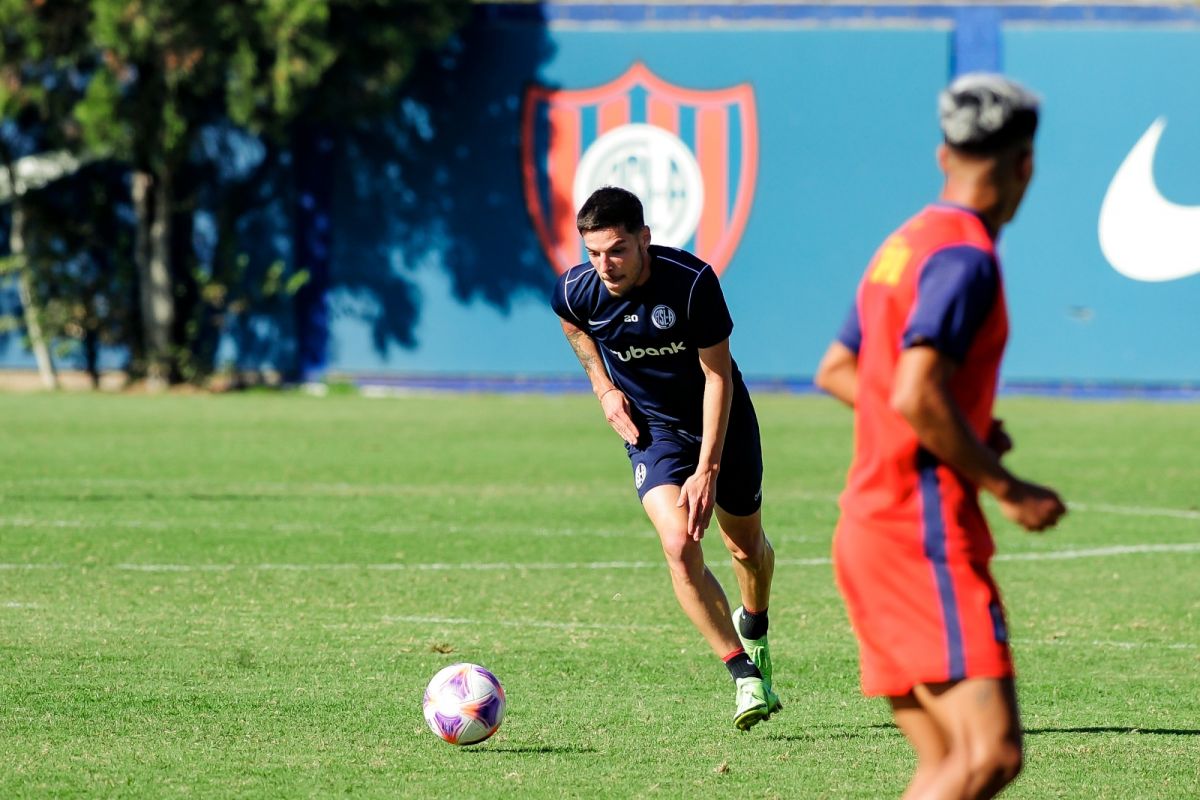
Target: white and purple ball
{"type": "Point", "coordinates": [464, 704]}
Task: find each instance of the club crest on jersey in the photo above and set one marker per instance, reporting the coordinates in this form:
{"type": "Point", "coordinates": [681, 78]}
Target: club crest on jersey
{"type": "Point", "coordinates": [690, 155]}
{"type": "Point", "coordinates": [662, 317]}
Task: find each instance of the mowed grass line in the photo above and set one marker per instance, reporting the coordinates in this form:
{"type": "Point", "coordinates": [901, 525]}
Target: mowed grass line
{"type": "Point", "coordinates": [196, 600]}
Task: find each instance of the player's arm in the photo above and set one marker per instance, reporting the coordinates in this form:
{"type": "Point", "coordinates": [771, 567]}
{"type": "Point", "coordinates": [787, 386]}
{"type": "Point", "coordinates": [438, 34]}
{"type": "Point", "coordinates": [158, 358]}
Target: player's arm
{"type": "Point", "coordinates": [612, 400]}
{"type": "Point", "coordinates": [837, 373]}
{"type": "Point", "coordinates": [922, 396]}
{"type": "Point", "coordinates": [698, 492]}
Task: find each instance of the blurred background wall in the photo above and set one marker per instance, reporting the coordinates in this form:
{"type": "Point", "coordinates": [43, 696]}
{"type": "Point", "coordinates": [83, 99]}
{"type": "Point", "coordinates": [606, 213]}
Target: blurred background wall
{"type": "Point", "coordinates": [780, 141]}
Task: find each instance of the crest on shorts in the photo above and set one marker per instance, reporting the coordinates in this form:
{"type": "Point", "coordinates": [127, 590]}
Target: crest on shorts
{"type": "Point", "coordinates": [690, 155]}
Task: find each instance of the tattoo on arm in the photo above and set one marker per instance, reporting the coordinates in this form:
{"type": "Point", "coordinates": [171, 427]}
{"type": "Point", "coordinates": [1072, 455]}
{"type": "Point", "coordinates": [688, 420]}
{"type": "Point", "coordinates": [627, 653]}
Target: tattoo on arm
{"type": "Point", "coordinates": [585, 350]}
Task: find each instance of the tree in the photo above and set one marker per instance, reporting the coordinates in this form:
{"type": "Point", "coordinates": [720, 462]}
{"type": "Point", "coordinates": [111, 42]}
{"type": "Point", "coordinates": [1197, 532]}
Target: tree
{"type": "Point", "coordinates": [292, 70]}
{"type": "Point", "coordinates": [41, 53]}
{"type": "Point", "coordinates": [77, 252]}
{"type": "Point", "coordinates": [162, 67]}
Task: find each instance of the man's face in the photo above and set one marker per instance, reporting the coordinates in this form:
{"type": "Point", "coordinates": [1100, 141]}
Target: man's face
{"type": "Point", "coordinates": [619, 257]}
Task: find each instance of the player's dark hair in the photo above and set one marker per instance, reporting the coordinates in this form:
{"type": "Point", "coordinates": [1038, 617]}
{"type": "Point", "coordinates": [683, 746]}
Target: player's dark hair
{"type": "Point", "coordinates": [1016, 135]}
{"type": "Point", "coordinates": [987, 114]}
{"type": "Point", "coordinates": [611, 207]}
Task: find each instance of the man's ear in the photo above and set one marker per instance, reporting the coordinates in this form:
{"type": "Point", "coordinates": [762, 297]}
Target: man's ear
{"type": "Point", "coordinates": [1025, 166]}
{"type": "Point", "coordinates": [644, 236]}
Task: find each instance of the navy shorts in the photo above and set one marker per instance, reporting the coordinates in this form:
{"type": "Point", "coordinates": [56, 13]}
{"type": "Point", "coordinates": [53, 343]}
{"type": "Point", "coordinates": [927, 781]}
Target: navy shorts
{"type": "Point", "coordinates": [666, 456]}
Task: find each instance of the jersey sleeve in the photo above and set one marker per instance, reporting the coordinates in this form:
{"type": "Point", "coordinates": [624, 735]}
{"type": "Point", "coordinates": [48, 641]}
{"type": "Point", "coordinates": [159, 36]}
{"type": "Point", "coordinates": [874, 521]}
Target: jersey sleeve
{"type": "Point", "coordinates": [708, 316]}
{"type": "Point", "coordinates": [850, 333]}
{"type": "Point", "coordinates": [955, 292]}
{"type": "Point", "coordinates": [561, 301]}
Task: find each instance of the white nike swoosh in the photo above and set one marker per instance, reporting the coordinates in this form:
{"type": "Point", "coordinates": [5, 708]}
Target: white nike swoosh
{"type": "Point", "coordinates": [1143, 235]}
{"type": "Point", "coordinates": [597, 322]}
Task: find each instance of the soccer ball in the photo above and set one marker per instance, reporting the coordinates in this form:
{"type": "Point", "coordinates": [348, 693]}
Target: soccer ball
{"type": "Point", "coordinates": [464, 704]}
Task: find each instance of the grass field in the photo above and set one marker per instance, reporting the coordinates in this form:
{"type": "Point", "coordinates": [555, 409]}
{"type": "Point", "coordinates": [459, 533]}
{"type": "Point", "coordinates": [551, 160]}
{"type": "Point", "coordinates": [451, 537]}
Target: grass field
{"type": "Point", "coordinates": [243, 596]}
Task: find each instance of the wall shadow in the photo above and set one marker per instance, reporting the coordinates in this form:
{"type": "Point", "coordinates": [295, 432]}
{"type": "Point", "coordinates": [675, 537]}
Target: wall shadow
{"type": "Point", "coordinates": [237, 226]}
{"type": "Point", "coordinates": [437, 186]}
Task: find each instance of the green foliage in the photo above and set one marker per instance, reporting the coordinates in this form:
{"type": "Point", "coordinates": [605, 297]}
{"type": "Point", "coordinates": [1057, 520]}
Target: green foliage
{"type": "Point", "coordinates": [37, 39]}
{"type": "Point", "coordinates": [77, 252]}
{"type": "Point", "coordinates": [243, 92]}
{"type": "Point", "coordinates": [166, 60]}
{"type": "Point", "coordinates": [262, 63]}
{"type": "Point", "coordinates": [159, 71]}
{"type": "Point", "coordinates": [101, 128]}
{"type": "Point", "coordinates": [330, 60]}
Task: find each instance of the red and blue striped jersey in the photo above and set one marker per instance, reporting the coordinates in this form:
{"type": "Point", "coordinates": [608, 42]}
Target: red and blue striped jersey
{"type": "Point", "coordinates": [934, 282]}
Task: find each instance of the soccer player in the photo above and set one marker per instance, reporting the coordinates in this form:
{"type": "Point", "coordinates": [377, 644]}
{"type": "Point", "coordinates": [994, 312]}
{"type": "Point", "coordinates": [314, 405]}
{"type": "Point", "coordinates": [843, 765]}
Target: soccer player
{"type": "Point", "coordinates": [918, 359]}
{"type": "Point", "coordinates": [650, 326]}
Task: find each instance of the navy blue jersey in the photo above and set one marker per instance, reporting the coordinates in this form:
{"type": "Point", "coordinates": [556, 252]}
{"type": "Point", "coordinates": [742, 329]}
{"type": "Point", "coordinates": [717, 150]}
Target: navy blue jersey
{"type": "Point", "coordinates": [650, 338]}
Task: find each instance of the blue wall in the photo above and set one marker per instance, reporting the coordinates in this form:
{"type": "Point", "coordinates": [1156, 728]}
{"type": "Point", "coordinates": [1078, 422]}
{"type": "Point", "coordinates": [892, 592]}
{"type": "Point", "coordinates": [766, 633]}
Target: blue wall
{"type": "Point", "coordinates": [1076, 317]}
{"type": "Point", "coordinates": [846, 136]}
{"type": "Point", "coordinates": [436, 266]}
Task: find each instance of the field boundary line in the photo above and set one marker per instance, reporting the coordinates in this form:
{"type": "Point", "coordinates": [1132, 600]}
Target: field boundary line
{"type": "Point", "coordinates": [502, 566]}
{"type": "Point", "coordinates": [1100, 552]}
{"type": "Point", "coordinates": [528, 623]}
{"type": "Point", "coordinates": [1066, 642]}
{"type": "Point", "coordinates": [418, 619]}
{"type": "Point", "coordinates": [317, 528]}
{"type": "Point", "coordinates": [1135, 511]}
{"type": "Point", "coordinates": [278, 489]}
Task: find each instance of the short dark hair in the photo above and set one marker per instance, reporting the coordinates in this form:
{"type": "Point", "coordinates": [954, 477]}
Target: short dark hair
{"type": "Point", "coordinates": [611, 207]}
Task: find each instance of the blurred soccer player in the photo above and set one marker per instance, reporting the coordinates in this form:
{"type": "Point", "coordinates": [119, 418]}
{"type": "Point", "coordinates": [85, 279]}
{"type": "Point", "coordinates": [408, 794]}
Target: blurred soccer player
{"type": "Point", "coordinates": [651, 329]}
{"type": "Point", "coordinates": [918, 360]}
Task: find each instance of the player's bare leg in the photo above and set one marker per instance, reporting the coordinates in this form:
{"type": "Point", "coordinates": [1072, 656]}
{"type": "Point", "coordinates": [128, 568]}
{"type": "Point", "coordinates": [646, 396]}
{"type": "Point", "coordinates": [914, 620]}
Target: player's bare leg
{"type": "Point", "coordinates": [753, 566]}
{"type": "Point", "coordinates": [980, 722]}
{"type": "Point", "coordinates": [697, 589]}
{"type": "Point", "coordinates": [925, 736]}
{"type": "Point", "coordinates": [753, 556]}
{"type": "Point", "coordinates": [703, 600]}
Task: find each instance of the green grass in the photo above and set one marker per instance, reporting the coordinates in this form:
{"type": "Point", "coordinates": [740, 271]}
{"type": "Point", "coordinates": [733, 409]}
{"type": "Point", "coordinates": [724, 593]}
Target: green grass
{"type": "Point", "coordinates": [243, 596]}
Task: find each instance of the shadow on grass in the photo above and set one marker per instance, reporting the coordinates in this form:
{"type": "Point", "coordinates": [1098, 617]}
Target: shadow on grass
{"type": "Point", "coordinates": [831, 732]}
{"type": "Point", "coordinates": [835, 732]}
{"type": "Point", "coordinates": [1118, 729]}
{"type": "Point", "coordinates": [545, 748]}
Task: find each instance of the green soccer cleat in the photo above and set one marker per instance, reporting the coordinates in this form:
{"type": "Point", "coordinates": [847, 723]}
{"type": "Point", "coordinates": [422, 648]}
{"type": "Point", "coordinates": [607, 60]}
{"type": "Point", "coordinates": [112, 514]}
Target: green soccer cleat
{"type": "Point", "coordinates": [751, 703]}
{"type": "Point", "coordinates": [760, 653]}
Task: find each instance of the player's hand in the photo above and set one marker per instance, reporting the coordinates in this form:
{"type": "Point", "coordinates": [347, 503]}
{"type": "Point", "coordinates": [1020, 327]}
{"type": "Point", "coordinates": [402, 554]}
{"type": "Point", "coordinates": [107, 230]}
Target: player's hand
{"type": "Point", "coordinates": [998, 440]}
{"type": "Point", "coordinates": [616, 411]}
{"type": "Point", "coordinates": [697, 496]}
{"type": "Point", "coordinates": [1033, 507]}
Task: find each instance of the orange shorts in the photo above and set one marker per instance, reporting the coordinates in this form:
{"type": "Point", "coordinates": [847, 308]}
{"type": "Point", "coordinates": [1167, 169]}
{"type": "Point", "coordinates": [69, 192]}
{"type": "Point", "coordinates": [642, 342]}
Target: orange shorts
{"type": "Point", "coordinates": [923, 612]}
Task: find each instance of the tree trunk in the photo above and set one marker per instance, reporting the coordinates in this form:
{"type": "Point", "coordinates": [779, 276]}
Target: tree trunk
{"type": "Point", "coordinates": [152, 256]}
{"type": "Point", "coordinates": [91, 356]}
{"type": "Point", "coordinates": [33, 324]}
{"type": "Point", "coordinates": [314, 170]}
